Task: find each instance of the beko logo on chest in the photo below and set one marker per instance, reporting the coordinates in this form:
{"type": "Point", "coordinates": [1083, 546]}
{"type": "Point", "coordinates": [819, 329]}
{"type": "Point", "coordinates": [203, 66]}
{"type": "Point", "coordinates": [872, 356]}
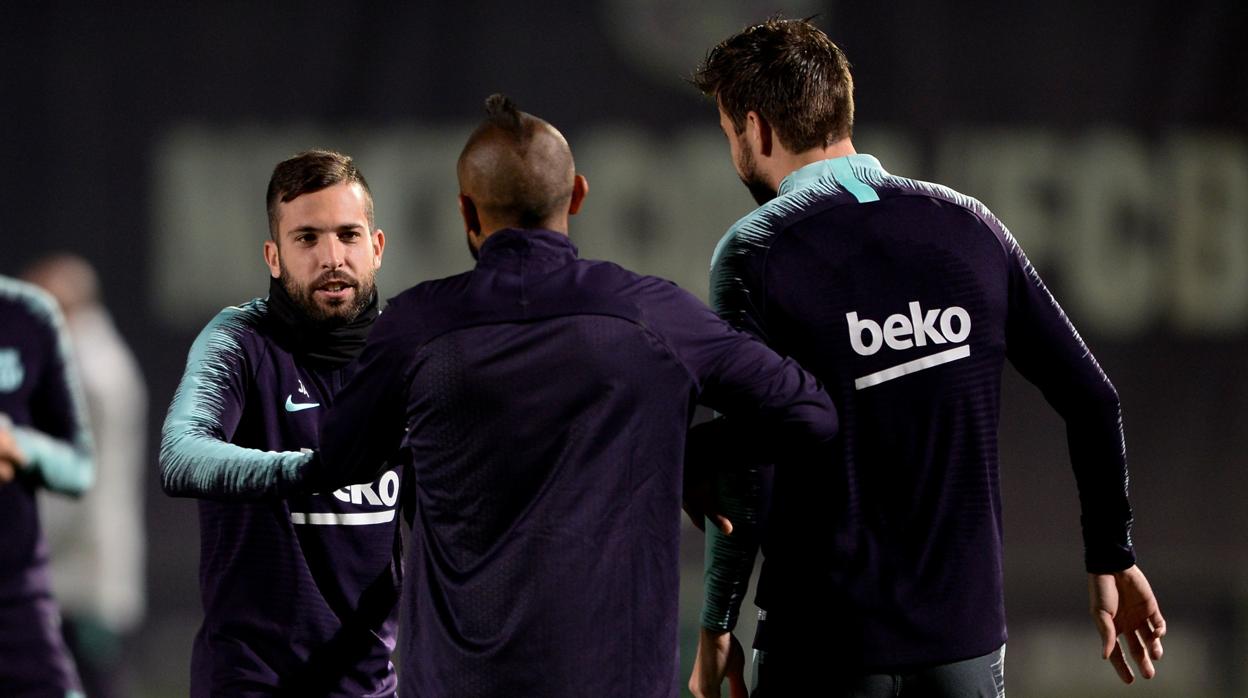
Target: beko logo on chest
{"type": "Point", "coordinates": [950, 325]}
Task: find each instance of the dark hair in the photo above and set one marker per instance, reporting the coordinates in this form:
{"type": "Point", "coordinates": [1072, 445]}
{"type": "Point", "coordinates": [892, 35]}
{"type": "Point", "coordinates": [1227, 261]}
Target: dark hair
{"type": "Point", "coordinates": [312, 171]}
{"type": "Point", "coordinates": [503, 113]}
{"type": "Point", "coordinates": [790, 73]}
{"type": "Point", "coordinates": [516, 166]}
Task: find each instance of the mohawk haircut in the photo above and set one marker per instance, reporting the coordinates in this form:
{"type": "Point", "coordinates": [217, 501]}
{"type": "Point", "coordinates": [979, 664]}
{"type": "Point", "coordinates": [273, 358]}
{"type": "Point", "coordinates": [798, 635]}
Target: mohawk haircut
{"type": "Point", "coordinates": [502, 113]}
{"type": "Point", "coordinates": [516, 166]}
{"type": "Point", "coordinates": [790, 73]}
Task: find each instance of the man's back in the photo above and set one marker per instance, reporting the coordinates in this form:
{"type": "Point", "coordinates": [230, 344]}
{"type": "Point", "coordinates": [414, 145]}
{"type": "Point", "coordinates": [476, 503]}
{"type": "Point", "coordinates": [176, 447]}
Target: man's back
{"type": "Point", "coordinates": [905, 299]}
{"type": "Point", "coordinates": [547, 400]}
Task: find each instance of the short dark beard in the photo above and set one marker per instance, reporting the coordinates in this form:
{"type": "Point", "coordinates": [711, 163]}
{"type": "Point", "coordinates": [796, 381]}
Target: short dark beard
{"type": "Point", "coordinates": [760, 190]}
{"type": "Point", "coordinates": [328, 318]}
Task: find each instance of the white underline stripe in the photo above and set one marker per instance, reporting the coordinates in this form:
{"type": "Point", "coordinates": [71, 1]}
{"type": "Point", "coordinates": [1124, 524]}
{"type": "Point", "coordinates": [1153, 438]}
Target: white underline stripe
{"type": "Point", "coordinates": [319, 518]}
{"type": "Point", "coordinates": [900, 370]}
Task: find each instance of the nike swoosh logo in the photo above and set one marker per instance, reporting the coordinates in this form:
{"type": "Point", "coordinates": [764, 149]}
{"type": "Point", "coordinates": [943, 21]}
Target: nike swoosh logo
{"type": "Point", "coordinates": [292, 406]}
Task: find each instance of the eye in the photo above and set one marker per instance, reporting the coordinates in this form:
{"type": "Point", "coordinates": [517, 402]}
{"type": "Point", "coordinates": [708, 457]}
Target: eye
{"type": "Point", "coordinates": [349, 235]}
{"type": "Point", "coordinates": [305, 239]}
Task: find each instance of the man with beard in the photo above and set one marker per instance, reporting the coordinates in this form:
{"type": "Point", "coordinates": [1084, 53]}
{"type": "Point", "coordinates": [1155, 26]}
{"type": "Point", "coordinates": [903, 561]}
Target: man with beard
{"type": "Point", "coordinates": [299, 592]}
{"type": "Point", "coordinates": [905, 298]}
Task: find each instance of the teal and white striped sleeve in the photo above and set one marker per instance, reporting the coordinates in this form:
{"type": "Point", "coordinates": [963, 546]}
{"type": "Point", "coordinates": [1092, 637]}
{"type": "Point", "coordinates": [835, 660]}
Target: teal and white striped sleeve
{"type": "Point", "coordinates": [729, 559]}
{"type": "Point", "coordinates": [57, 445]}
{"type": "Point", "coordinates": [196, 456]}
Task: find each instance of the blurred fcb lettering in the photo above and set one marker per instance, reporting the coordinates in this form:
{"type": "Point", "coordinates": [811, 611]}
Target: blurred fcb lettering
{"type": "Point", "coordinates": [1138, 235]}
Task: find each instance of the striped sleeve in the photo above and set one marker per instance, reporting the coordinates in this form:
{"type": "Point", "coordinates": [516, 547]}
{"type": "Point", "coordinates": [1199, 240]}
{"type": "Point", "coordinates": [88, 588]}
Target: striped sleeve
{"type": "Point", "coordinates": [57, 445]}
{"type": "Point", "coordinates": [196, 456]}
{"type": "Point", "coordinates": [1045, 347]}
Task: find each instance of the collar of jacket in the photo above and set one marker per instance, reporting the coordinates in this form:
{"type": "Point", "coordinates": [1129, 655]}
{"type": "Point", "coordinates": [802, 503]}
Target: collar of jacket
{"type": "Point", "coordinates": [330, 347]}
{"type": "Point", "coordinates": [535, 248]}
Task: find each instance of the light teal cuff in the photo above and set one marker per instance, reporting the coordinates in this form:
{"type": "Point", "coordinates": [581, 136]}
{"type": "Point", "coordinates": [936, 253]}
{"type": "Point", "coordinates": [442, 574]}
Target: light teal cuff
{"type": "Point", "coordinates": [63, 468]}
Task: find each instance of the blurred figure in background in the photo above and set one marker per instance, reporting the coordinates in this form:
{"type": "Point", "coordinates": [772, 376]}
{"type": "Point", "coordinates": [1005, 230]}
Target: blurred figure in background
{"type": "Point", "coordinates": [44, 442]}
{"type": "Point", "coordinates": [97, 545]}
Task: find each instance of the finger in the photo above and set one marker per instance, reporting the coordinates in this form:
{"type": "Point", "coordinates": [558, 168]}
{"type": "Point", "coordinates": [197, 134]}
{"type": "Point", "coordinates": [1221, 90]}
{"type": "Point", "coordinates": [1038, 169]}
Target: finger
{"type": "Point", "coordinates": [1120, 664]}
{"type": "Point", "coordinates": [736, 671]}
{"type": "Point", "coordinates": [1158, 624]}
{"type": "Point", "coordinates": [6, 472]}
{"type": "Point", "coordinates": [722, 523]}
{"type": "Point", "coordinates": [1140, 653]}
{"type": "Point", "coordinates": [1151, 635]}
{"type": "Point", "coordinates": [1105, 626]}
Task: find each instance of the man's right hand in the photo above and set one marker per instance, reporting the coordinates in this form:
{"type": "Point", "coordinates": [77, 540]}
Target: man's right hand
{"type": "Point", "coordinates": [11, 457]}
{"type": "Point", "coordinates": [1122, 603]}
{"type": "Point", "coordinates": [719, 656]}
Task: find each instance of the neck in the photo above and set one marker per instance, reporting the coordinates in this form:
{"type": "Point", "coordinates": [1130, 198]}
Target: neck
{"type": "Point", "coordinates": [558, 224]}
{"type": "Point", "coordinates": [329, 346]}
{"type": "Point", "coordinates": [785, 163]}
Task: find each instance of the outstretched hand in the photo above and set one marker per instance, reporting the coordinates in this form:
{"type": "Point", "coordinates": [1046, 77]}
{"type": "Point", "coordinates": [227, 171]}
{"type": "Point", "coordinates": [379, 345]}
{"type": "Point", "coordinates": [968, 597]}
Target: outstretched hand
{"type": "Point", "coordinates": [1122, 603]}
{"type": "Point", "coordinates": [719, 656]}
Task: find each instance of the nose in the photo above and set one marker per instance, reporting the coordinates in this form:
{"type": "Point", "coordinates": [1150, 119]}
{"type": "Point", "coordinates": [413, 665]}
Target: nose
{"type": "Point", "coordinates": [333, 253]}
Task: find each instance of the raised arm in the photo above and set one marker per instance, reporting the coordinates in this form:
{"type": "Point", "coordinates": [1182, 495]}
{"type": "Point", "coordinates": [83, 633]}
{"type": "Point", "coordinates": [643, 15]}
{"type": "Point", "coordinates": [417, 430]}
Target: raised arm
{"type": "Point", "coordinates": [196, 457]}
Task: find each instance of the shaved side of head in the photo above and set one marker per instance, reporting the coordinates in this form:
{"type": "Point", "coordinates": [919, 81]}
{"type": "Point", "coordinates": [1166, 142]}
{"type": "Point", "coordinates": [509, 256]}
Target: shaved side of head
{"type": "Point", "coordinates": [516, 167]}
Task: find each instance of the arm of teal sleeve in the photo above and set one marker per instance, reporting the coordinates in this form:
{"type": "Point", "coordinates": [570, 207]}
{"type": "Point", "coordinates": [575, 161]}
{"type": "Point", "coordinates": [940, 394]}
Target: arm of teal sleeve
{"type": "Point", "coordinates": [196, 456]}
{"type": "Point", "coordinates": [730, 558]}
{"type": "Point", "coordinates": [62, 466]}
{"type": "Point", "coordinates": [194, 464]}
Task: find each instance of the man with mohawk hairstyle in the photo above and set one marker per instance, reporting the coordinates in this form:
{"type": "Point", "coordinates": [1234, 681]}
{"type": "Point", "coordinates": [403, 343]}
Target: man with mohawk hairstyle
{"type": "Point", "coordinates": [545, 400]}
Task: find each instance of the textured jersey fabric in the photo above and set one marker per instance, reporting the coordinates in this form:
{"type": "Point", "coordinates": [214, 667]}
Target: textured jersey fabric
{"type": "Point", "coordinates": [41, 398]}
{"type": "Point", "coordinates": [546, 400]}
{"type": "Point", "coordinates": [905, 298]}
{"type": "Point", "coordinates": [299, 593]}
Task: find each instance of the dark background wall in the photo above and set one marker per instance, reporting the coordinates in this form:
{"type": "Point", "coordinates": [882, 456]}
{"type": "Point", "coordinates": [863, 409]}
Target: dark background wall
{"type": "Point", "coordinates": [1111, 137]}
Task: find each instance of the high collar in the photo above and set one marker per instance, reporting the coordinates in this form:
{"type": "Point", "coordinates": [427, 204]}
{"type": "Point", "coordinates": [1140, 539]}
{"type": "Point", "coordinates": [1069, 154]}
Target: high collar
{"type": "Point", "coordinates": [823, 169]}
{"type": "Point", "coordinates": [328, 347]}
{"type": "Point", "coordinates": [536, 248]}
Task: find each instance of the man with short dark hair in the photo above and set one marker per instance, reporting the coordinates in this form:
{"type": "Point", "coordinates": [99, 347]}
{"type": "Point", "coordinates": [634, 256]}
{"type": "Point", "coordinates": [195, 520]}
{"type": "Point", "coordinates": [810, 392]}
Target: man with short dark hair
{"type": "Point", "coordinates": [44, 444]}
{"type": "Point", "coordinates": [545, 400]}
{"type": "Point", "coordinates": [883, 568]}
{"type": "Point", "coordinates": [299, 591]}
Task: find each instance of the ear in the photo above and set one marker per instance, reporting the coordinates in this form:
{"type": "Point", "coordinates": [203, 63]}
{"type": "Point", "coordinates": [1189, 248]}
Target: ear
{"type": "Point", "coordinates": [272, 258]}
{"type": "Point", "coordinates": [468, 211]}
{"type": "Point", "coordinates": [758, 130]}
{"type": "Point", "coordinates": [580, 189]}
{"type": "Point", "coordinates": [379, 246]}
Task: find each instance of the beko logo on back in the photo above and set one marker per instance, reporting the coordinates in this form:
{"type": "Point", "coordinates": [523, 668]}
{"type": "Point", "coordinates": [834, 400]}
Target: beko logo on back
{"type": "Point", "coordinates": [948, 326]}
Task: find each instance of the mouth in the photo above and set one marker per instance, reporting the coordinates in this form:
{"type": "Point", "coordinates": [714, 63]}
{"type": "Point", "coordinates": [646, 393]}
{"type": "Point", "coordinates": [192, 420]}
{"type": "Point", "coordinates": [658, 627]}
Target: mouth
{"type": "Point", "coordinates": [334, 290]}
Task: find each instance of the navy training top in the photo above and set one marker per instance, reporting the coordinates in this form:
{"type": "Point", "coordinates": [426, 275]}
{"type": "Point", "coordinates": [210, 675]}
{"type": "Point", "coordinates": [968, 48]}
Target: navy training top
{"type": "Point", "coordinates": [546, 401]}
{"type": "Point", "coordinates": [42, 400]}
{"type": "Point", "coordinates": [300, 591]}
{"type": "Point", "coordinates": [905, 299]}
